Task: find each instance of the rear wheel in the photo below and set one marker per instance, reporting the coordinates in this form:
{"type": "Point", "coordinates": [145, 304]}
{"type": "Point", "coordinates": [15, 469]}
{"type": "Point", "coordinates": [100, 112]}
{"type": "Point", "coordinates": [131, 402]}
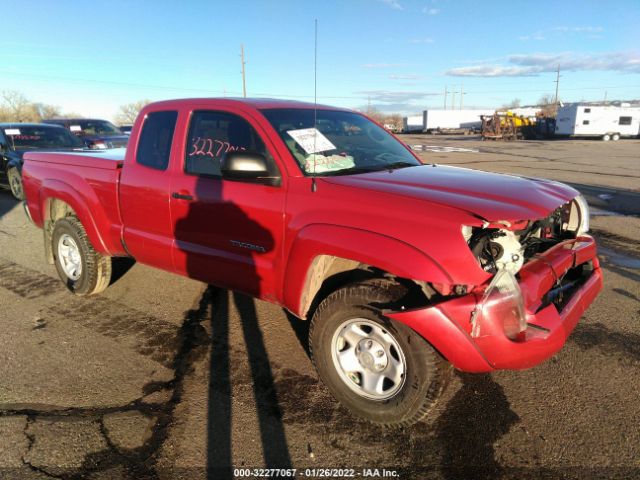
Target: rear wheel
{"type": "Point", "coordinates": [83, 270]}
{"type": "Point", "coordinates": [606, 137]}
{"type": "Point", "coordinates": [15, 183]}
{"type": "Point", "coordinates": [380, 369]}
{"type": "Point", "coordinates": [615, 137]}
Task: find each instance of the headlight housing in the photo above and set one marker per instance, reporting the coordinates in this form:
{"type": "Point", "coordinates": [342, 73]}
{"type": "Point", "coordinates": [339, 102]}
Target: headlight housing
{"type": "Point", "coordinates": [501, 305]}
{"type": "Point", "coordinates": [583, 215]}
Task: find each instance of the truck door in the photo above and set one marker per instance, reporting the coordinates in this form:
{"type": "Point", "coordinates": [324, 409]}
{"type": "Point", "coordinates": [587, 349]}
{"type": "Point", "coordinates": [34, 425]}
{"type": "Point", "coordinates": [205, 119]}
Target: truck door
{"type": "Point", "coordinates": [144, 192]}
{"type": "Point", "coordinates": [227, 233]}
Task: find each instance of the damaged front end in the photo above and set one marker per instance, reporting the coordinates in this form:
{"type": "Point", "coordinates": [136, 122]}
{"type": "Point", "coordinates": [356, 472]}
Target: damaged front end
{"type": "Point", "coordinates": [545, 273]}
{"type": "Point", "coordinates": [502, 248]}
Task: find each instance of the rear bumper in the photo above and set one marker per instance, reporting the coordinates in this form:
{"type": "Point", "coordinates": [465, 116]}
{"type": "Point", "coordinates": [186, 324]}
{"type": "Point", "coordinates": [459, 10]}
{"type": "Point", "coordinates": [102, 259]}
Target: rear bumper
{"type": "Point", "coordinates": [447, 326]}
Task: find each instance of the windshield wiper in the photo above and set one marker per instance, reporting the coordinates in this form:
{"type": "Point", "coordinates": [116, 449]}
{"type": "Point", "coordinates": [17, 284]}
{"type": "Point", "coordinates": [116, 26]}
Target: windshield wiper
{"type": "Point", "coordinates": [396, 165]}
{"type": "Point", "coordinates": [347, 171]}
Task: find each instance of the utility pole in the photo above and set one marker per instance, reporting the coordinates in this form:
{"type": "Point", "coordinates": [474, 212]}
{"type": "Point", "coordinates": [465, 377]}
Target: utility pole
{"type": "Point", "coordinates": [445, 97]}
{"type": "Point", "coordinates": [244, 82]}
{"type": "Point", "coordinates": [453, 99]}
{"type": "Point", "coordinates": [461, 95]}
{"type": "Point", "coordinates": [557, 85]}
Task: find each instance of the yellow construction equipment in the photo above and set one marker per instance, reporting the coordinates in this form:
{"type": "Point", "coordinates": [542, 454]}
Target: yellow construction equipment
{"type": "Point", "coordinates": [507, 126]}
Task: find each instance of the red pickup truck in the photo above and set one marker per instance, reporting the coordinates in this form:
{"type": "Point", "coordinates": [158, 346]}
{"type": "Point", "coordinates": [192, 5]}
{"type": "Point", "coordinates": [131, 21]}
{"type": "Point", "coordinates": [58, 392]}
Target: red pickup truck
{"type": "Point", "coordinates": [401, 268]}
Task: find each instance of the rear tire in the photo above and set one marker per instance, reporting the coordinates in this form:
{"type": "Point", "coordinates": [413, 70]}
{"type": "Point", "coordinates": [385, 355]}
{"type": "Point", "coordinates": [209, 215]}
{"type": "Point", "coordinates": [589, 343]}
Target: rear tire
{"type": "Point", "coordinates": [606, 137]}
{"type": "Point", "coordinates": [615, 137]}
{"type": "Point", "coordinates": [83, 270]}
{"type": "Point", "coordinates": [15, 183]}
{"type": "Point", "coordinates": [378, 352]}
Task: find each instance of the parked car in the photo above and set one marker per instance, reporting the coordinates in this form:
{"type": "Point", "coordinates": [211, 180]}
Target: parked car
{"type": "Point", "coordinates": [18, 138]}
{"type": "Point", "coordinates": [126, 129]}
{"type": "Point", "coordinates": [401, 268]}
{"type": "Point", "coordinates": [96, 134]}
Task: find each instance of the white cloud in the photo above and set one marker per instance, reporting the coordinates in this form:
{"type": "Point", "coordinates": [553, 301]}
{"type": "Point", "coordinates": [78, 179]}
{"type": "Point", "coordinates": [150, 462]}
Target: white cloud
{"type": "Point", "coordinates": [586, 29]}
{"type": "Point", "coordinates": [528, 65]}
{"type": "Point", "coordinates": [393, 4]}
{"type": "Point", "coordinates": [534, 36]}
{"type": "Point", "coordinates": [391, 96]}
{"type": "Point", "coordinates": [421, 40]}
{"type": "Point", "coordinates": [430, 11]}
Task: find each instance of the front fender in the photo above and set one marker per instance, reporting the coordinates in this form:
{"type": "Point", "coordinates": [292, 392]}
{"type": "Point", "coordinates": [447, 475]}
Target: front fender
{"type": "Point", "coordinates": [362, 246]}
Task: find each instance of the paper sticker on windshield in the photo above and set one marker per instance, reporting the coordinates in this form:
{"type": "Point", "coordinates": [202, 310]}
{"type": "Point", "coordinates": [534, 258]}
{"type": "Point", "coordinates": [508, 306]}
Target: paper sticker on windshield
{"type": "Point", "coordinates": [75, 128]}
{"type": "Point", "coordinates": [12, 131]}
{"type": "Point", "coordinates": [311, 140]}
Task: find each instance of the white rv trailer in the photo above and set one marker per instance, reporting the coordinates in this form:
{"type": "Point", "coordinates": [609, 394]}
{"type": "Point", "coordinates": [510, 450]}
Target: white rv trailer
{"type": "Point", "coordinates": [413, 123]}
{"type": "Point", "coordinates": [606, 122]}
{"type": "Point", "coordinates": [435, 120]}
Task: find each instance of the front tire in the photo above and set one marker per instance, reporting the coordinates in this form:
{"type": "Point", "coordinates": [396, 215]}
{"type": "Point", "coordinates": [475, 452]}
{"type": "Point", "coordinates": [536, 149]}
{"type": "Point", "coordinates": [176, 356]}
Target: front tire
{"type": "Point", "coordinates": [380, 369]}
{"type": "Point", "coordinates": [606, 137]}
{"type": "Point", "coordinates": [83, 270]}
{"type": "Point", "coordinates": [615, 137]}
{"type": "Point", "coordinates": [15, 183]}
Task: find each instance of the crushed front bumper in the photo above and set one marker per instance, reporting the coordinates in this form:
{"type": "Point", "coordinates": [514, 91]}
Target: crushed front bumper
{"type": "Point", "coordinates": [557, 286]}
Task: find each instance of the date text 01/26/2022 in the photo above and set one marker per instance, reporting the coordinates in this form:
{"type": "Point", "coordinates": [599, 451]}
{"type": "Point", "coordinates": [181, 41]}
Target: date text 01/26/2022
{"type": "Point", "coordinates": [314, 473]}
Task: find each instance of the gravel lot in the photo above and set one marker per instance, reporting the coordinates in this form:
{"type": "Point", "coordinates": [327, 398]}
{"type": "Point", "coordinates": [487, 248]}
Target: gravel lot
{"type": "Point", "coordinates": [163, 377]}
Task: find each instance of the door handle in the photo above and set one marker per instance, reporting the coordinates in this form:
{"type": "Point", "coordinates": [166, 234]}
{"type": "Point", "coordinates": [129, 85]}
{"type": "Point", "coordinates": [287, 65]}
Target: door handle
{"type": "Point", "coordinates": [182, 196]}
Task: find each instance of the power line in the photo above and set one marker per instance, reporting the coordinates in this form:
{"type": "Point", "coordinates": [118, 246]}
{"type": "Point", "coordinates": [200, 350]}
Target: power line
{"type": "Point", "coordinates": [283, 95]}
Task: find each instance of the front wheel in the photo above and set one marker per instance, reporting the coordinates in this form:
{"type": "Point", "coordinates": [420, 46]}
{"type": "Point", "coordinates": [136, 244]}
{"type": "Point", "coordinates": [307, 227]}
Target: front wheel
{"type": "Point", "coordinates": [615, 137]}
{"type": "Point", "coordinates": [83, 270]}
{"type": "Point", "coordinates": [380, 369]}
{"type": "Point", "coordinates": [15, 183]}
{"type": "Point", "coordinates": [606, 137]}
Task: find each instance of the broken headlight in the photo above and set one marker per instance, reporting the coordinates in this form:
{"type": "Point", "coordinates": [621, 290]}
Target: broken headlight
{"type": "Point", "coordinates": [494, 248]}
{"type": "Point", "coordinates": [502, 304]}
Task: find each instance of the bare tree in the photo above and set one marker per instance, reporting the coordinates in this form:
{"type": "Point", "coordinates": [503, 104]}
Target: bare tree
{"type": "Point", "coordinates": [15, 107]}
{"type": "Point", "coordinates": [548, 105]}
{"type": "Point", "coordinates": [515, 103]}
{"type": "Point", "coordinates": [127, 113]}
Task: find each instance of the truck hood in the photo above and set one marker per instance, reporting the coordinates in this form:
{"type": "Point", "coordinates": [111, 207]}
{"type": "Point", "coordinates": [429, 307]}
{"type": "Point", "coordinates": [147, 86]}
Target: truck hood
{"type": "Point", "coordinates": [490, 196]}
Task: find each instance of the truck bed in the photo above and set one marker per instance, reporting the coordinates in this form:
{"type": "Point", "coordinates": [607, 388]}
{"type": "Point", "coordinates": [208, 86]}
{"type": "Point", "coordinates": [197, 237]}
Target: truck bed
{"type": "Point", "coordinates": [82, 179]}
{"type": "Point", "coordinates": [103, 159]}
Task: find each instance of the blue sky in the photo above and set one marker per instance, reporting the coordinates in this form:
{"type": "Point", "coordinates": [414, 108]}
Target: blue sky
{"type": "Point", "coordinates": [398, 55]}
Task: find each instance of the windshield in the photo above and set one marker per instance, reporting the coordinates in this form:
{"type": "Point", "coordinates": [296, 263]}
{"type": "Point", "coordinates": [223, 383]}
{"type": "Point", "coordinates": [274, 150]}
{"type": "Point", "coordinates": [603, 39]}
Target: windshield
{"type": "Point", "coordinates": [94, 127]}
{"type": "Point", "coordinates": [342, 142]}
{"type": "Point", "coordinates": [41, 136]}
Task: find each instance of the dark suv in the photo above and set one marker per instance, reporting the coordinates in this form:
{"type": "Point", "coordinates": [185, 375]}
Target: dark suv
{"type": "Point", "coordinates": [18, 138]}
{"type": "Point", "coordinates": [96, 134]}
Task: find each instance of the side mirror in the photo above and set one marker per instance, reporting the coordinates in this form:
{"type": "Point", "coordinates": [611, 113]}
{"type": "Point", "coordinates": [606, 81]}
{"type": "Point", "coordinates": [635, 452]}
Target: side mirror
{"type": "Point", "coordinates": [247, 167]}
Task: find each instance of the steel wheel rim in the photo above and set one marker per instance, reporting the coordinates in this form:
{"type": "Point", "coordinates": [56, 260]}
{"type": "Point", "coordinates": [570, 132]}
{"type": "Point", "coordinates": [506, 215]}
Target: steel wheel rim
{"type": "Point", "coordinates": [368, 359]}
{"type": "Point", "coordinates": [16, 184]}
{"type": "Point", "coordinates": [69, 257]}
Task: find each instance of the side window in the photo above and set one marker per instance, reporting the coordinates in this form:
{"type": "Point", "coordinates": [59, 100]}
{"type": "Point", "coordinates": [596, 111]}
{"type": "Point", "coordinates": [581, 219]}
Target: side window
{"type": "Point", "coordinates": [585, 122]}
{"type": "Point", "coordinates": [212, 135]}
{"type": "Point", "coordinates": [587, 110]}
{"type": "Point", "coordinates": [154, 145]}
{"type": "Point", "coordinates": [624, 121]}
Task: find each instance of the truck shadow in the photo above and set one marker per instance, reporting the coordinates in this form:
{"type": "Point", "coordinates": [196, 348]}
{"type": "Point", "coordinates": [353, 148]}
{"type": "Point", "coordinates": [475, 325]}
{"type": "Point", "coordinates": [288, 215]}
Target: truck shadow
{"type": "Point", "coordinates": [206, 238]}
{"type": "Point", "coordinates": [477, 415]}
{"type": "Point", "coordinates": [219, 415]}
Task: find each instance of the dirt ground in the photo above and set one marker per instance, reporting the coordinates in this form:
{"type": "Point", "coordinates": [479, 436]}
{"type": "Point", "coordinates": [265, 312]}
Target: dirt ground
{"type": "Point", "coordinates": [162, 377]}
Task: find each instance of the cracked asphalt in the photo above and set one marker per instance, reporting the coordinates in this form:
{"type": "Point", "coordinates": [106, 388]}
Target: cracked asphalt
{"type": "Point", "coordinates": [162, 377]}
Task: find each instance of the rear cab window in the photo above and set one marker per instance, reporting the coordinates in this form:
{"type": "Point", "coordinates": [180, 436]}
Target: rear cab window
{"type": "Point", "coordinates": [213, 134]}
{"type": "Point", "coordinates": [154, 146]}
